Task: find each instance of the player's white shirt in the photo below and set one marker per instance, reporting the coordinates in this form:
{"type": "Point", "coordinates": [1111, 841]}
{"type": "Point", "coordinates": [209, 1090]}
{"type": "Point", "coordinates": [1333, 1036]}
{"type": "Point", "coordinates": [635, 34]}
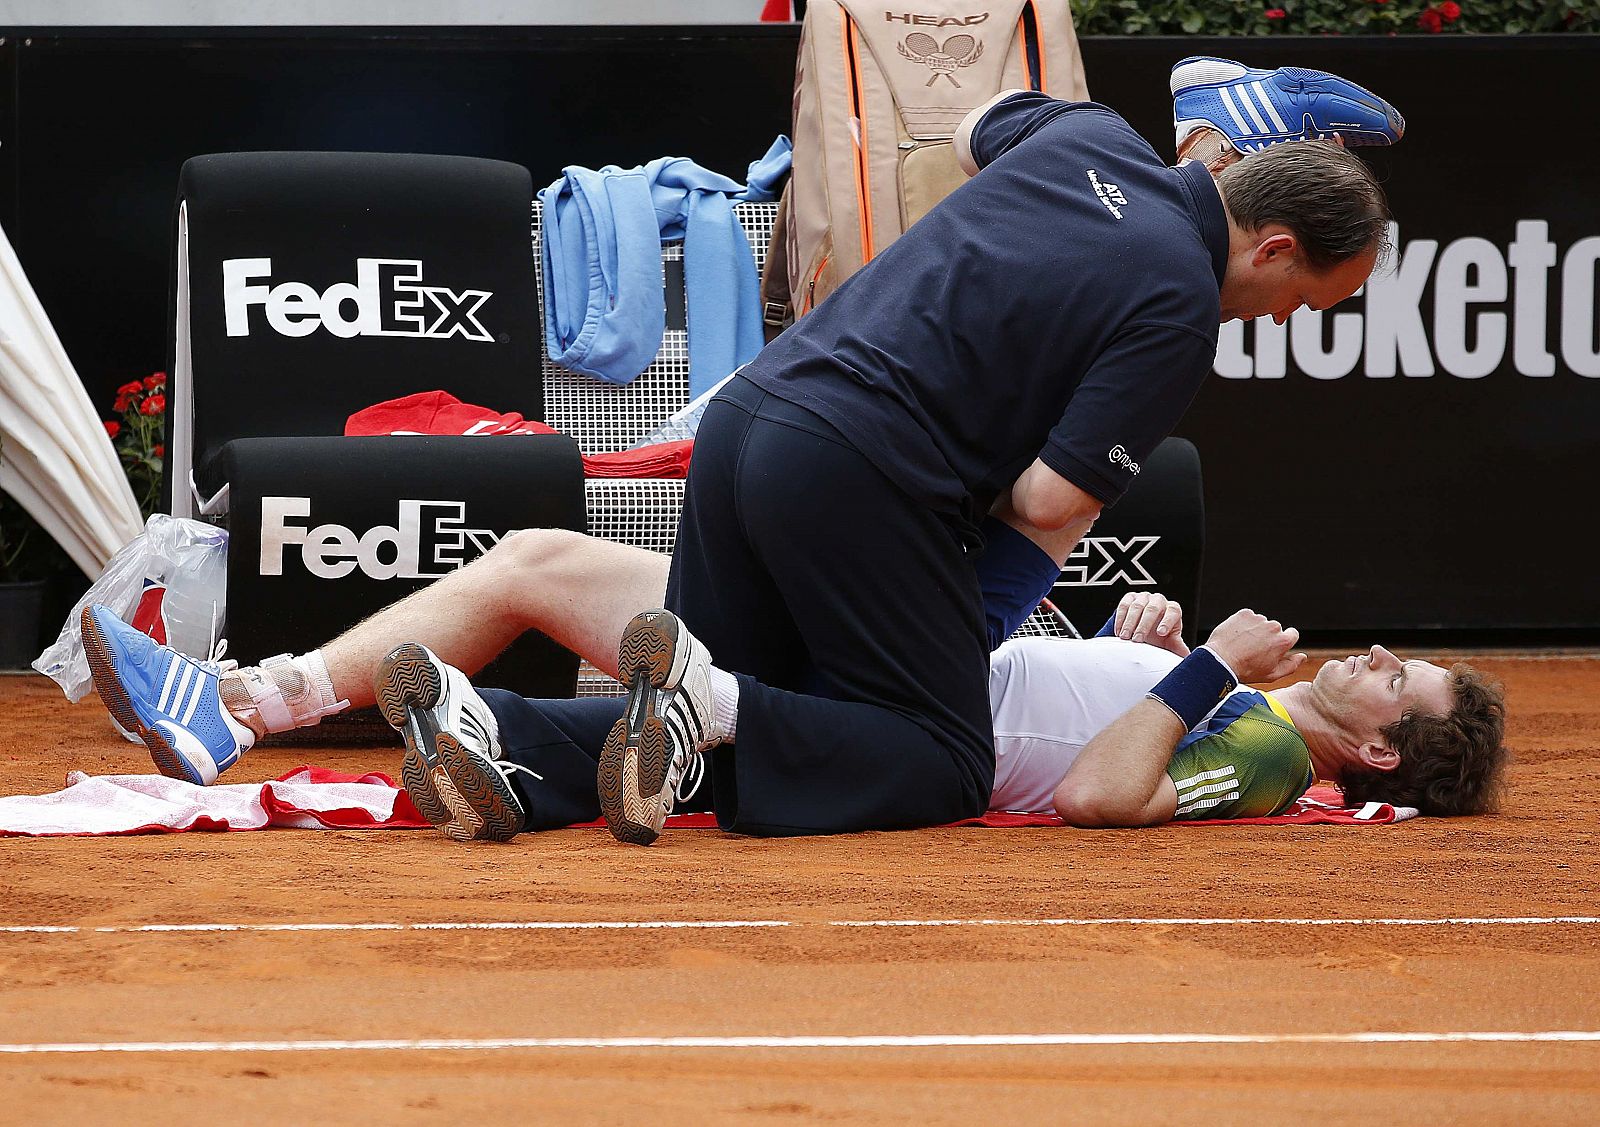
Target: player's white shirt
{"type": "Point", "coordinates": [1049, 697]}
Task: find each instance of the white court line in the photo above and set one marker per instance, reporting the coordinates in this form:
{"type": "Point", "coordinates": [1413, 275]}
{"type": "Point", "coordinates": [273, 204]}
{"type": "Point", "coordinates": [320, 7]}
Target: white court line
{"type": "Point", "coordinates": [694, 925]}
{"type": "Point", "coordinates": [918, 1041]}
{"type": "Point", "coordinates": [503, 925]}
{"type": "Point", "coordinates": [1225, 921]}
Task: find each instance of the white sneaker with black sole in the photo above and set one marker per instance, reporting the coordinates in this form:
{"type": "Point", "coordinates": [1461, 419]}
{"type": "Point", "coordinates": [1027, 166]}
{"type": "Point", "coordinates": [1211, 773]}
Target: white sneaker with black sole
{"type": "Point", "coordinates": [452, 768]}
{"type": "Point", "coordinates": [653, 757]}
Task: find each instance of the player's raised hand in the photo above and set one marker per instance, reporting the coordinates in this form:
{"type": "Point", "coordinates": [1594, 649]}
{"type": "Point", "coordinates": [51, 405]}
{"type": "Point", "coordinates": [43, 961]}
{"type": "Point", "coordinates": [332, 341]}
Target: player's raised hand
{"type": "Point", "coordinates": [1256, 648]}
{"type": "Point", "coordinates": [1149, 616]}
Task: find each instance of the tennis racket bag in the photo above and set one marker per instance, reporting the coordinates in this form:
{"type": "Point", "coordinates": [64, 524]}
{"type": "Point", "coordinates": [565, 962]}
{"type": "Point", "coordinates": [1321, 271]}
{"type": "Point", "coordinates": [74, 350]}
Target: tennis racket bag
{"type": "Point", "coordinates": [879, 90]}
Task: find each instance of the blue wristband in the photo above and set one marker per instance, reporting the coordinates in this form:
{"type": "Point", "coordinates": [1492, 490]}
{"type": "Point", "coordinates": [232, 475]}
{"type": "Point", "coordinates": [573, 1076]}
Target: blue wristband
{"type": "Point", "coordinates": [1014, 574]}
{"type": "Point", "coordinates": [1195, 687]}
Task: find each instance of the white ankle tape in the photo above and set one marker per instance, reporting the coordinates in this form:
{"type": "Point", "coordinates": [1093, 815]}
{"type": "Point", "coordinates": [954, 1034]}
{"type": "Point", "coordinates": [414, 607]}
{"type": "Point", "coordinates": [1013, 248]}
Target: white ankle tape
{"type": "Point", "coordinates": [282, 693]}
{"type": "Point", "coordinates": [329, 702]}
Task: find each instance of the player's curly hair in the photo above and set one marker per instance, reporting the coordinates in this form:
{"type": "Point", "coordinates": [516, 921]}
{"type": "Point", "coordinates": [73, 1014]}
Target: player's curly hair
{"type": "Point", "coordinates": [1328, 197]}
{"type": "Point", "coordinates": [1451, 764]}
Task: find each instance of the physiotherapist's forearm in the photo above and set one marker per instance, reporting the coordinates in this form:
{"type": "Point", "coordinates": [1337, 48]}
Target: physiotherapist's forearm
{"type": "Point", "coordinates": [1014, 574]}
{"type": "Point", "coordinates": [1019, 566]}
{"type": "Point", "coordinates": [1021, 561]}
{"type": "Point", "coordinates": [1057, 543]}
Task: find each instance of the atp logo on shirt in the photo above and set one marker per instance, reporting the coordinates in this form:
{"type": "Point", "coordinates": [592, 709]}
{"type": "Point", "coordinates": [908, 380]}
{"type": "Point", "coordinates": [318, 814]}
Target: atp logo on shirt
{"type": "Point", "coordinates": [1109, 194]}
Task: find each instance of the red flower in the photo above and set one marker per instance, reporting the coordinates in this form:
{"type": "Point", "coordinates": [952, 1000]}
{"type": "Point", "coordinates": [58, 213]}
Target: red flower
{"type": "Point", "coordinates": [1450, 10]}
{"type": "Point", "coordinates": [151, 382]}
{"type": "Point", "coordinates": [1275, 13]}
{"type": "Point", "coordinates": [153, 405]}
{"type": "Point", "coordinates": [133, 388]}
{"type": "Point", "coordinates": [160, 450]}
{"type": "Point", "coordinates": [1430, 20]}
{"type": "Point", "coordinates": [122, 403]}
{"type": "Point", "coordinates": [112, 428]}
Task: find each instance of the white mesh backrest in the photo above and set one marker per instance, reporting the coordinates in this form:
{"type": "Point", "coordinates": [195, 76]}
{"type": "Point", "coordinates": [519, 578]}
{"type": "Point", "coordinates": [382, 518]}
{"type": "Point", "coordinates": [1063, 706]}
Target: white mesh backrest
{"type": "Point", "coordinates": [603, 417]}
{"type": "Point", "coordinates": [638, 511]}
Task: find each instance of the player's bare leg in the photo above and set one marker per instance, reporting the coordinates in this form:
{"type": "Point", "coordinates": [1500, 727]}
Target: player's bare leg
{"type": "Point", "coordinates": [567, 585]}
{"type": "Point", "coordinates": [580, 591]}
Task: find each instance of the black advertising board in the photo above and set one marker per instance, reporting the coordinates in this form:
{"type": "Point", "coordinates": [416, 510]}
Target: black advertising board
{"type": "Point", "coordinates": [1420, 458]}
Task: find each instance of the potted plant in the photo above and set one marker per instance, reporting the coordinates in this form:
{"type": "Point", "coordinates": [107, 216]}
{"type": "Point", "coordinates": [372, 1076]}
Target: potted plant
{"type": "Point", "coordinates": [142, 405]}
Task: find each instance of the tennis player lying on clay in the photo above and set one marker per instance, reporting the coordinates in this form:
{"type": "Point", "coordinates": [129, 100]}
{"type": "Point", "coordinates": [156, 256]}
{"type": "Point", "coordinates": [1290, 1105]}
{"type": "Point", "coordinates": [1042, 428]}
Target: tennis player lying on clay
{"type": "Point", "coordinates": [1126, 729]}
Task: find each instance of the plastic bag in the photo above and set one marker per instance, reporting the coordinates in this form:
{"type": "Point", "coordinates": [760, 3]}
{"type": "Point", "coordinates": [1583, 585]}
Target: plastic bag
{"type": "Point", "coordinates": [683, 423]}
{"type": "Point", "coordinates": [170, 581]}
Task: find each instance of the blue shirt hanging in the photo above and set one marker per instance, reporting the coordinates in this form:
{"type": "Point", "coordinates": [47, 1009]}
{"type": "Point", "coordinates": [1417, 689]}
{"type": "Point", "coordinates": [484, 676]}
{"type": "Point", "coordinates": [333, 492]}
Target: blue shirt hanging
{"type": "Point", "coordinates": [601, 255]}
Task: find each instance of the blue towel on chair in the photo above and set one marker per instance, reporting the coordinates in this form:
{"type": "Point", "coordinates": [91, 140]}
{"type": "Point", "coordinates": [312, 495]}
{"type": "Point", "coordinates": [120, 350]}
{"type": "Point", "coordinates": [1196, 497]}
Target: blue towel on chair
{"type": "Point", "coordinates": [602, 235]}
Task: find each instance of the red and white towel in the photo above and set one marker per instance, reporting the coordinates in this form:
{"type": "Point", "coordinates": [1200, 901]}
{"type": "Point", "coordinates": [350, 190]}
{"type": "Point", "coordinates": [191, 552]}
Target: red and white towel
{"type": "Point", "coordinates": [315, 798]}
{"type": "Point", "coordinates": [311, 798]}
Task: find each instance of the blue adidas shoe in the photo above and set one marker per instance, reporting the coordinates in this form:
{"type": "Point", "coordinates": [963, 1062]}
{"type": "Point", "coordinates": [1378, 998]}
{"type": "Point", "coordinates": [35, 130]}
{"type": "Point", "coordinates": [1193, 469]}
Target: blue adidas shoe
{"type": "Point", "coordinates": [1256, 109]}
{"type": "Point", "coordinates": [169, 701]}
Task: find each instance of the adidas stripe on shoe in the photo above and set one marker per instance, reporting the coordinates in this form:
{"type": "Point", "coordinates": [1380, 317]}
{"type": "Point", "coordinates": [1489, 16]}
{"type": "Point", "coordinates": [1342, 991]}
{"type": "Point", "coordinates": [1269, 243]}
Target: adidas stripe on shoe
{"type": "Point", "coordinates": [170, 701]}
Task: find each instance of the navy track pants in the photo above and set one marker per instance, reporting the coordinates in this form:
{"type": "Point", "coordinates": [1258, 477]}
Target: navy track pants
{"type": "Point", "coordinates": [852, 617]}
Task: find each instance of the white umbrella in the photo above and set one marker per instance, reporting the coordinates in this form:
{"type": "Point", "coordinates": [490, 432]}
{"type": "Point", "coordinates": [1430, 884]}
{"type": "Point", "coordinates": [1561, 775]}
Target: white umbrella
{"type": "Point", "coordinates": [56, 459]}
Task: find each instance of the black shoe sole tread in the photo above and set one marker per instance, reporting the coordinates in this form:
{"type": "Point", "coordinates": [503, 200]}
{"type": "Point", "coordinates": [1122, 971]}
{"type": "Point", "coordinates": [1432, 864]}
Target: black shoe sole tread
{"type": "Point", "coordinates": [644, 662]}
{"type": "Point", "coordinates": [476, 803]}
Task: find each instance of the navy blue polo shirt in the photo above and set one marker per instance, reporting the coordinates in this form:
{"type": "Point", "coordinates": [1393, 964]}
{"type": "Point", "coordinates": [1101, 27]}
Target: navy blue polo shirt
{"type": "Point", "coordinates": [1063, 304]}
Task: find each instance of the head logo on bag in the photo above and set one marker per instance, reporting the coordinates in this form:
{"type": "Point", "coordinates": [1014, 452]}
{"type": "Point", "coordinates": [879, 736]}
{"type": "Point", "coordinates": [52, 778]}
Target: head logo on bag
{"type": "Point", "coordinates": [387, 299]}
{"type": "Point", "coordinates": [923, 19]}
{"type": "Point", "coordinates": [942, 59]}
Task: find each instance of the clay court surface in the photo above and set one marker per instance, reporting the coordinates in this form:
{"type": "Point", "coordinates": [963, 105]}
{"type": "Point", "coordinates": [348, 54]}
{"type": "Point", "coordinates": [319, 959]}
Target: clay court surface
{"type": "Point", "coordinates": [1096, 1010]}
